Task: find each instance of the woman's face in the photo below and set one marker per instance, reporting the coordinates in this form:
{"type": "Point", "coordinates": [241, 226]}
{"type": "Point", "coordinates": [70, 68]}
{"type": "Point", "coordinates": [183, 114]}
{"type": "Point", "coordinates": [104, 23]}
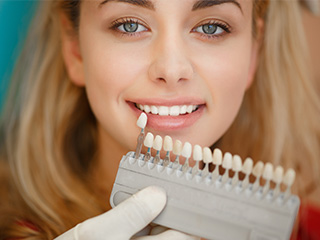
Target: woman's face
{"type": "Point", "coordinates": [169, 56]}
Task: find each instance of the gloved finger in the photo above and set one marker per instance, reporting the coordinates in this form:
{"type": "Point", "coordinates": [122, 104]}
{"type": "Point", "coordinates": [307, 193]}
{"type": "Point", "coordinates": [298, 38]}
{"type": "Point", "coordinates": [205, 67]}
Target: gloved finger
{"type": "Point", "coordinates": [169, 235]}
{"type": "Point", "coordinates": [127, 218]}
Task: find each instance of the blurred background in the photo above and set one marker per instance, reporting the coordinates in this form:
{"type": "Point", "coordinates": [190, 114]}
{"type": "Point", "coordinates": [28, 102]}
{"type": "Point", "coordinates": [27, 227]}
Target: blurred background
{"type": "Point", "coordinates": [15, 16]}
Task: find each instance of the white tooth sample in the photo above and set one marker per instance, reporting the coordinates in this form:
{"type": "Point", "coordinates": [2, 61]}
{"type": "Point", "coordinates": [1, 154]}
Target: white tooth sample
{"type": "Point", "coordinates": [289, 177]}
{"type": "Point", "coordinates": [217, 161]}
{"type": "Point", "coordinates": [267, 175]}
{"type": "Point", "coordinates": [186, 150]}
{"type": "Point", "coordinates": [247, 166]}
{"type": "Point", "coordinates": [163, 111]}
{"type": "Point", "coordinates": [207, 158]}
{"type": "Point", "coordinates": [226, 164]}
{"type": "Point", "coordinates": [236, 163]}
{"type": "Point", "coordinates": [154, 110]}
{"type": "Point", "coordinates": [277, 178]}
{"type": "Point", "coordinates": [183, 109]}
{"type": "Point", "coordinates": [167, 143]}
{"type": "Point", "coordinates": [148, 141]}
{"type": "Point", "coordinates": [288, 180]}
{"type": "Point", "coordinates": [236, 167]}
{"type": "Point", "coordinates": [227, 161]}
{"type": "Point", "coordinates": [278, 175]}
{"type": "Point", "coordinates": [268, 172]}
{"type": "Point", "coordinates": [257, 172]}
{"type": "Point", "coordinates": [146, 108]}
{"type": "Point", "coordinates": [194, 107]}
{"type": "Point", "coordinates": [174, 111]}
{"type": "Point", "coordinates": [189, 108]}
{"type": "Point", "coordinates": [177, 147]}
{"type": "Point", "coordinates": [197, 153]}
{"type": "Point", "coordinates": [157, 143]}
{"type": "Point", "coordinates": [258, 169]}
{"type": "Point", "coordinates": [167, 146]}
{"type": "Point", "coordinates": [142, 120]}
{"type": "Point", "coordinates": [247, 169]}
{"type": "Point", "coordinates": [197, 156]}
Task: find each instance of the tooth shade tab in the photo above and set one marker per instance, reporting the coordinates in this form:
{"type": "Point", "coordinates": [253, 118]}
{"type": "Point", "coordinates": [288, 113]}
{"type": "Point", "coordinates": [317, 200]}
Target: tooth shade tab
{"type": "Point", "coordinates": [268, 171]}
{"type": "Point", "coordinates": [167, 143]}
{"type": "Point", "coordinates": [227, 161]}
{"type": "Point", "coordinates": [177, 147]}
{"type": "Point", "coordinates": [197, 153]}
{"type": "Point", "coordinates": [142, 120]}
{"type": "Point", "coordinates": [247, 166]}
{"type": "Point", "coordinates": [258, 169]}
{"type": "Point", "coordinates": [217, 156]}
{"type": "Point", "coordinates": [207, 155]}
{"type": "Point", "coordinates": [289, 177]}
{"type": "Point", "coordinates": [157, 144]}
{"type": "Point", "coordinates": [236, 163]}
{"type": "Point", "coordinates": [148, 141]}
{"type": "Point", "coordinates": [278, 175]}
{"type": "Point", "coordinates": [186, 150]}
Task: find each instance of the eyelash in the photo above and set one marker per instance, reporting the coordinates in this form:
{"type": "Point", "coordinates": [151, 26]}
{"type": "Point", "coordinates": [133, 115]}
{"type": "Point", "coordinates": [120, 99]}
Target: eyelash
{"type": "Point", "coordinates": [117, 23]}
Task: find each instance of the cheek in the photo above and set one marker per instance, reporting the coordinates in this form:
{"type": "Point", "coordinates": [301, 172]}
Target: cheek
{"type": "Point", "coordinates": [225, 72]}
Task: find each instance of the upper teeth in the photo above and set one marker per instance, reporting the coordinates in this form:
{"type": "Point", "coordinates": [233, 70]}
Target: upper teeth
{"type": "Point", "coordinates": [168, 111]}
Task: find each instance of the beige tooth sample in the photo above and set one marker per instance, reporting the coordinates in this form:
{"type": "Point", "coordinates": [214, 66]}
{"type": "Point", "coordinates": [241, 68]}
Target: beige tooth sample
{"type": "Point", "coordinates": [227, 165]}
{"type": "Point", "coordinates": [197, 157]}
{"type": "Point", "coordinates": [247, 169]}
{"type": "Point", "coordinates": [217, 161]}
{"type": "Point", "coordinates": [257, 172]}
{"type": "Point", "coordinates": [177, 149]}
{"type": "Point", "coordinates": [236, 167]}
{"type": "Point", "coordinates": [207, 159]}
{"type": "Point", "coordinates": [186, 152]}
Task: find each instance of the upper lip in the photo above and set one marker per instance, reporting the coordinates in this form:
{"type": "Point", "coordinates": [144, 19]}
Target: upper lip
{"type": "Point", "coordinates": [169, 102]}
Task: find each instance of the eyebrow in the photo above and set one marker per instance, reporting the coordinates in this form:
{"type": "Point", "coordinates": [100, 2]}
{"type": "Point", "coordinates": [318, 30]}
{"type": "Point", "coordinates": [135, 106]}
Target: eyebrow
{"type": "Point", "coordinates": [141, 3]}
{"type": "Point", "coordinates": [200, 4]}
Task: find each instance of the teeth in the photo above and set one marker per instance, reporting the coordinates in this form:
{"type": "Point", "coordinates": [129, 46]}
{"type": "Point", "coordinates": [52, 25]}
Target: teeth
{"type": "Point", "coordinates": [168, 111]}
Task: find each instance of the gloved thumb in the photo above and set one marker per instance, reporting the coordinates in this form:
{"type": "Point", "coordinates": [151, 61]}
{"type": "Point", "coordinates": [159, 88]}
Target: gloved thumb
{"type": "Point", "coordinates": [127, 218]}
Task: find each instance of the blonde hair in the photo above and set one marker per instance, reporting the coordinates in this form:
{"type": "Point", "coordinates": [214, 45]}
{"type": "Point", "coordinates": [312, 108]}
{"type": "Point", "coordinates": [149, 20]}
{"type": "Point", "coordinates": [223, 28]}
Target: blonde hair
{"type": "Point", "coordinates": [50, 131]}
{"type": "Point", "coordinates": [283, 105]}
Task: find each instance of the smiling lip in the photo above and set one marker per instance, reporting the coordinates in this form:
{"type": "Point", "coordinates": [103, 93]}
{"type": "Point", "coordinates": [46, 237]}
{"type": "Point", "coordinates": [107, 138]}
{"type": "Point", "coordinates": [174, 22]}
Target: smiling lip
{"type": "Point", "coordinates": [165, 123]}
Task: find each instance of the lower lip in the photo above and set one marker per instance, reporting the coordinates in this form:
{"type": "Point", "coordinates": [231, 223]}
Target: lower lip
{"type": "Point", "coordinates": [163, 123]}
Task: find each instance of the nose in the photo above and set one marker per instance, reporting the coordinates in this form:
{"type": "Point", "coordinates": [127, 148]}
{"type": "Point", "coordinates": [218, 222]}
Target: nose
{"type": "Point", "coordinates": [170, 63]}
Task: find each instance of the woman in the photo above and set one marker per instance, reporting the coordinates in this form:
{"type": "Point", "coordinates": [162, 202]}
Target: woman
{"type": "Point", "coordinates": [89, 67]}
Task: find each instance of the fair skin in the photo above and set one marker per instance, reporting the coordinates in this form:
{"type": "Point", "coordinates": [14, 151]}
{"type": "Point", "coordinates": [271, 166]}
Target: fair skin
{"type": "Point", "coordinates": [170, 59]}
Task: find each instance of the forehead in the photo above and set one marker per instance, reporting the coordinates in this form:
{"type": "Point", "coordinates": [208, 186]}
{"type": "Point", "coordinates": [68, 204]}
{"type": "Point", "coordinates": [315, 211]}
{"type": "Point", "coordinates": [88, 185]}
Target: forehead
{"type": "Point", "coordinates": [191, 5]}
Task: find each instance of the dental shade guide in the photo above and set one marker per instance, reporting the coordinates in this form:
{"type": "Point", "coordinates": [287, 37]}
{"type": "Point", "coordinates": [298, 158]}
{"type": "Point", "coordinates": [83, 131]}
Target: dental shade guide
{"type": "Point", "coordinates": [209, 204]}
{"type": "Point", "coordinates": [141, 122]}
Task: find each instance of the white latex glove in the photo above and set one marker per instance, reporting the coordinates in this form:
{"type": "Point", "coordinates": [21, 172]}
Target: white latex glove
{"type": "Point", "coordinates": [126, 219]}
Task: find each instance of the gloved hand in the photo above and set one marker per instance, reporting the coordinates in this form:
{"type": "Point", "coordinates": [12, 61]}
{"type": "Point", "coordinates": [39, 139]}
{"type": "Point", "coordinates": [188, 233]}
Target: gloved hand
{"type": "Point", "coordinates": [126, 219]}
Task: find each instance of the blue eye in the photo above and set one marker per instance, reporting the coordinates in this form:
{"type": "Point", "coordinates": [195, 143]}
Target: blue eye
{"type": "Point", "coordinates": [210, 29]}
{"type": "Point", "coordinates": [131, 27]}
